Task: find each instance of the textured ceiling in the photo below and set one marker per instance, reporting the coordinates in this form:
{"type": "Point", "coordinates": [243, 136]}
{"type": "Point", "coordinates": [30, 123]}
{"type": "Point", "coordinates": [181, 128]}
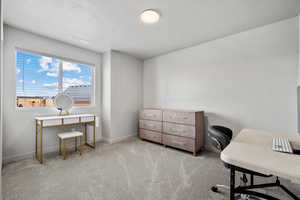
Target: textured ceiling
{"type": "Point", "coordinates": [115, 24]}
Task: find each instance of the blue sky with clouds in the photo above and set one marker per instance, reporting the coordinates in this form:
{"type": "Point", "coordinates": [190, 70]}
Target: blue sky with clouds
{"type": "Point", "coordinates": [38, 75]}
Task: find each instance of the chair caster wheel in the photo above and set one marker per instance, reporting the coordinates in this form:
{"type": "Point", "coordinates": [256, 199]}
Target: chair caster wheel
{"type": "Point", "coordinates": [214, 189]}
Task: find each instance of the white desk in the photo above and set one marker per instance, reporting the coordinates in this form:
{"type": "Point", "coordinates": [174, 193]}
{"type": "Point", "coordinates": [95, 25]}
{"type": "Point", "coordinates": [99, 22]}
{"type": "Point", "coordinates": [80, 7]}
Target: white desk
{"type": "Point", "coordinates": [252, 150]}
{"type": "Point", "coordinates": [58, 121]}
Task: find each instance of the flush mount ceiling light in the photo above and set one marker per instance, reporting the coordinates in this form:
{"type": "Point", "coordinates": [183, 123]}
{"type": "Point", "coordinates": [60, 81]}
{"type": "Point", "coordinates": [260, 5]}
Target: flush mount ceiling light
{"type": "Point", "coordinates": [80, 39]}
{"type": "Point", "coordinates": [83, 41]}
{"type": "Point", "coordinates": [150, 16]}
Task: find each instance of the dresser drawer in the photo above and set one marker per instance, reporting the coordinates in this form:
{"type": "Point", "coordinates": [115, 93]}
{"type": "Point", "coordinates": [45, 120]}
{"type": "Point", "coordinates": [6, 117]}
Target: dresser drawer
{"type": "Point", "coordinates": [151, 125]}
{"type": "Point", "coordinates": [150, 135]}
{"type": "Point", "coordinates": [179, 129]}
{"type": "Point", "coordinates": [151, 114]}
{"type": "Point", "coordinates": [87, 119]}
{"type": "Point", "coordinates": [72, 120]}
{"type": "Point", "coordinates": [179, 142]}
{"type": "Point", "coordinates": [52, 122]}
{"type": "Point", "coordinates": [179, 117]}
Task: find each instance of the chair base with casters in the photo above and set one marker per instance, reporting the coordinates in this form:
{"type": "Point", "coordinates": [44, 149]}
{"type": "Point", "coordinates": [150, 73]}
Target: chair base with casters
{"type": "Point", "coordinates": [238, 196]}
{"type": "Point", "coordinates": [249, 189]}
{"type": "Point", "coordinates": [244, 182]}
{"type": "Point", "coordinates": [220, 137]}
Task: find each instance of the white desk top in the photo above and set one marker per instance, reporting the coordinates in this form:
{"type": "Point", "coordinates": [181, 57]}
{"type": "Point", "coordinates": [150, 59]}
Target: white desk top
{"type": "Point", "coordinates": [252, 149]}
{"type": "Point", "coordinates": [63, 117]}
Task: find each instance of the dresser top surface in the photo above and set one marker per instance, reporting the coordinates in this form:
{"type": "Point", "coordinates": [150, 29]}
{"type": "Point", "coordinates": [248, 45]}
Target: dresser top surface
{"type": "Point", "coordinates": [172, 110]}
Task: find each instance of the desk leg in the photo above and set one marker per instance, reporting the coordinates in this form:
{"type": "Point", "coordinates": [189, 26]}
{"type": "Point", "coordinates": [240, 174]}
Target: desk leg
{"type": "Point", "coordinates": [93, 144]}
{"type": "Point", "coordinates": [85, 133]}
{"type": "Point", "coordinates": [41, 143]}
{"type": "Point", "coordinates": [232, 182]}
{"type": "Point", "coordinates": [252, 179]}
{"type": "Point", "coordinates": [94, 134]}
{"type": "Point", "coordinates": [36, 139]}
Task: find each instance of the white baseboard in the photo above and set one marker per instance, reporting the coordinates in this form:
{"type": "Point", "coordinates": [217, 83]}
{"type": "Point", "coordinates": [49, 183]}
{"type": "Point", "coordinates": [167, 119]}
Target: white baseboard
{"type": "Point", "coordinates": [118, 139]}
{"type": "Point", "coordinates": [27, 155]}
{"type": "Point", "coordinates": [54, 148]}
{"type": "Point", "coordinates": [49, 149]}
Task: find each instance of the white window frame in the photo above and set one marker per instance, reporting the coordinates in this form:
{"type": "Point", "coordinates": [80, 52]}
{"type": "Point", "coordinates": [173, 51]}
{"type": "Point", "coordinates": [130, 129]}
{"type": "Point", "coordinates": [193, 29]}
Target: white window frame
{"type": "Point", "coordinates": [92, 66]}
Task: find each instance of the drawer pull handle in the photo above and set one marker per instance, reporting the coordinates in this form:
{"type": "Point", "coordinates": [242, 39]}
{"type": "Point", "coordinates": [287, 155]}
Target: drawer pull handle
{"type": "Point", "coordinates": [179, 143]}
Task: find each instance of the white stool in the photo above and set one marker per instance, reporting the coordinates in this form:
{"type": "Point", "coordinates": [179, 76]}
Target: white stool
{"type": "Point", "coordinates": [70, 135]}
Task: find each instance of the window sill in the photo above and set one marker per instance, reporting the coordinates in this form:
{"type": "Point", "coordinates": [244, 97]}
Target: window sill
{"type": "Point", "coordinates": [35, 109]}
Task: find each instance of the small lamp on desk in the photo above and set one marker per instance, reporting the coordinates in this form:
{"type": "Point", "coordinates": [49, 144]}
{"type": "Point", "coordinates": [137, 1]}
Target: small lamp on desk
{"type": "Point", "coordinates": [63, 103]}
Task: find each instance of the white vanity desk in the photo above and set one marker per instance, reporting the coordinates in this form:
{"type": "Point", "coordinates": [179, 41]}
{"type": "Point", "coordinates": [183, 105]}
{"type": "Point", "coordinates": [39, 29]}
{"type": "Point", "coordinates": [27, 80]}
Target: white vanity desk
{"type": "Point", "coordinates": [57, 121]}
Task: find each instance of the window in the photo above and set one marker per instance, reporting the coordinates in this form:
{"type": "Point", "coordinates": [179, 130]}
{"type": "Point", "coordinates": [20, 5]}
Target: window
{"type": "Point", "coordinates": [40, 78]}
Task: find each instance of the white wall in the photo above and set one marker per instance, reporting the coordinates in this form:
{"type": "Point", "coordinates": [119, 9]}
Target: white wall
{"type": "Point", "coordinates": [298, 50]}
{"type": "Point", "coordinates": [122, 95]}
{"type": "Point", "coordinates": [19, 129]}
{"type": "Point", "coordinates": [247, 80]}
{"type": "Point", "coordinates": [126, 88]}
{"type": "Point", "coordinates": [298, 89]}
{"type": "Point", "coordinates": [1, 90]}
{"type": "Point", "coordinates": [106, 95]}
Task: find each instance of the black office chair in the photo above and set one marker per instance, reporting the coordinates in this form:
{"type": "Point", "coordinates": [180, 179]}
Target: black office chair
{"type": "Point", "coordinates": [220, 137]}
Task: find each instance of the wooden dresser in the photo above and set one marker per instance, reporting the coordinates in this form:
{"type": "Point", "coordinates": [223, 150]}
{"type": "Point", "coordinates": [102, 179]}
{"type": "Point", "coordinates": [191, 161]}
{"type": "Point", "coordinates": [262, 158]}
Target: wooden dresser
{"type": "Point", "coordinates": [174, 128]}
{"type": "Point", "coordinates": [151, 125]}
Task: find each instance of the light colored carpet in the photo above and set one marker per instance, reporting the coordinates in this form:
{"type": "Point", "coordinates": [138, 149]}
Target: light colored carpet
{"type": "Point", "coordinates": [130, 170]}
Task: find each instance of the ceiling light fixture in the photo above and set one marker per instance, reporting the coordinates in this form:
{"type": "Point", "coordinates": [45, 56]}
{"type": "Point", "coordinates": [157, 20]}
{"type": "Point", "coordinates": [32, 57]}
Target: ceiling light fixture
{"type": "Point", "coordinates": [150, 16]}
{"type": "Point", "coordinates": [83, 41]}
{"type": "Point", "coordinates": [80, 39]}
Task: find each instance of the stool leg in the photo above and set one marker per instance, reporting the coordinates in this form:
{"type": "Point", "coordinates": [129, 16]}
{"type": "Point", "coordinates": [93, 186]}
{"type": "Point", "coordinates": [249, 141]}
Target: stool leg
{"type": "Point", "coordinates": [65, 150]}
{"type": "Point", "coordinates": [59, 146]}
{"type": "Point", "coordinates": [75, 144]}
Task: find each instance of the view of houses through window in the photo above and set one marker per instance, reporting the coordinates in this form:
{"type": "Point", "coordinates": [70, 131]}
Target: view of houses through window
{"type": "Point", "coordinates": [40, 78]}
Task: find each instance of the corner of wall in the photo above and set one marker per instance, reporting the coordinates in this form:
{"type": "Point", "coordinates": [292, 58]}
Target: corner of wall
{"type": "Point", "coordinates": [1, 88]}
{"type": "Point", "coordinates": [122, 95]}
{"type": "Point", "coordinates": [298, 29]}
{"type": "Point", "coordinates": [298, 87]}
{"type": "Point", "coordinates": [106, 94]}
{"type": "Point", "coordinates": [111, 140]}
